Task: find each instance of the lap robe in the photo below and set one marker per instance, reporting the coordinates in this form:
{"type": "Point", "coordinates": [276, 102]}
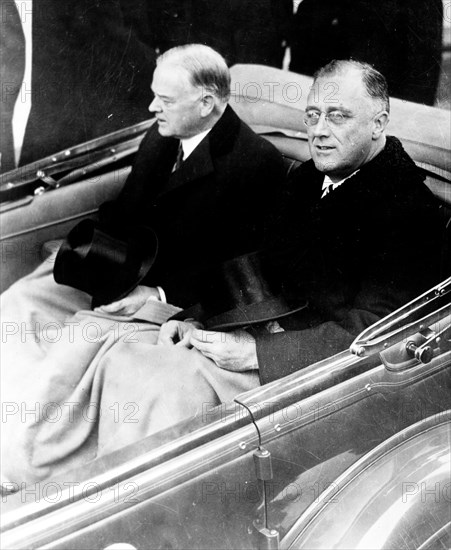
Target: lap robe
{"type": "Point", "coordinates": [77, 384]}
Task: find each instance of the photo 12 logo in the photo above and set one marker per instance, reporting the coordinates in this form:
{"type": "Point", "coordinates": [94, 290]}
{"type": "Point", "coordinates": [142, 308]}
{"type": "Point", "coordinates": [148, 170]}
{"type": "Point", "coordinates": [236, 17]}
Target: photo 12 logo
{"type": "Point", "coordinates": [427, 493]}
{"type": "Point", "coordinates": [71, 491]}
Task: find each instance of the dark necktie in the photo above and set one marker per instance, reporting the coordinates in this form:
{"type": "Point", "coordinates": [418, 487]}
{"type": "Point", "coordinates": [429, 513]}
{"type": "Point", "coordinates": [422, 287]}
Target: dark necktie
{"type": "Point", "coordinates": [179, 159]}
{"type": "Point", "coordinates": [12, 68]}
{"type": "Point", "coordinates": [330, 186]}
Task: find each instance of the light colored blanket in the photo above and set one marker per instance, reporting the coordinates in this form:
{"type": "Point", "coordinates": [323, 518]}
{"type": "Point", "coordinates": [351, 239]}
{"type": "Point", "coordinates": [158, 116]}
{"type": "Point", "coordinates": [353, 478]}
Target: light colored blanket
{"type": "Point", "coordinates": [77, 384]}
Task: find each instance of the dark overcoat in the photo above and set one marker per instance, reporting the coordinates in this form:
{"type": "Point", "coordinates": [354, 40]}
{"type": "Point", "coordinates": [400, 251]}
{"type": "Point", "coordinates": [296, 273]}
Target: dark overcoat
{"type": "Point", "coordinates": [91, 72]}
{"type": "Point", "coordinates": [401, 38]}
{"type": "Point", "coordinates": [243, 31]}
{"type": "Point", "coordinates": [359, 253]}
{"type": "Point", "coordinates": [213, 208]}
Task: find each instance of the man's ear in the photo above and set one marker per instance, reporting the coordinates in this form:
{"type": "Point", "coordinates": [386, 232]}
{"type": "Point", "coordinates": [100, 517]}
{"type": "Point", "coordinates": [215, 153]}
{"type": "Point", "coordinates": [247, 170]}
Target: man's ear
{"type": "Point", "coordinates": [380, 122]}
{"type": "Point", "coordinates": [207, 104]}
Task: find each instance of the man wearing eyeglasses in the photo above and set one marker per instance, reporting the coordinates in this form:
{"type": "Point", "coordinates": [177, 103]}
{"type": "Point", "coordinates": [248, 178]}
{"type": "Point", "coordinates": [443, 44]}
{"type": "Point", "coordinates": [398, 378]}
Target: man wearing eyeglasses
{"type": "Point", "coordinates": [349, 234]}
{"type": "Point", "coordinates": [345, 124]}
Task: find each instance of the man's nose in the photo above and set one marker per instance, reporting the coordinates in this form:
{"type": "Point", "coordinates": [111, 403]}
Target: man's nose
{"type": "Point", "coordinates": [322, 127]}
{"type": "Point", "coordinates": [154, 105]}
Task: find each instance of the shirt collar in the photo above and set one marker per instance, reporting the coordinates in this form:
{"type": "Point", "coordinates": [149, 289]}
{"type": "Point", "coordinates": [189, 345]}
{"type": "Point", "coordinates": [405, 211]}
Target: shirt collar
{"type": "Point", "coordinates": [189, 144]}
{"type": "Point", "coordinates": [329, 185]}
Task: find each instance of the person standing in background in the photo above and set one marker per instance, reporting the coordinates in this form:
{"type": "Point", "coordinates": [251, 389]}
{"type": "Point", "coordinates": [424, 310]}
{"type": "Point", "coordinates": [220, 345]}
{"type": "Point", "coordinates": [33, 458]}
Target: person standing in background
{"type": "Point", "coordinates": [12, 70]}
{"type": "Point", "coordinates": [91, 65]}
{"type": "Point", "coordinates": [402, 39]}
{"type": "Point", "coordinates": [241, 30]}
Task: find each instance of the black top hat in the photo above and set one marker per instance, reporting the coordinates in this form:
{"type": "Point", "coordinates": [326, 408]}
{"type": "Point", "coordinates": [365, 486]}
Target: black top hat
{"type": "Point", "coordinates": [105, 267]}
{"type": "Point", "coordinates": [239, 293]}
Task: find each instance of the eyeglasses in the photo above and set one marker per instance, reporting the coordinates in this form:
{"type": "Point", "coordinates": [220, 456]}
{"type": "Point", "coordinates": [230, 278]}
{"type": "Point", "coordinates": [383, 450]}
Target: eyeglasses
{"type": "Point", "coordinates": [337, 118]}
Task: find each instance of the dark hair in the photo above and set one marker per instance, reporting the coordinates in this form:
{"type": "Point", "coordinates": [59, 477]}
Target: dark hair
{"type": "Point", "coordinates": [206, 67]}
{"type": "Point", "coordinates": [374, 82]}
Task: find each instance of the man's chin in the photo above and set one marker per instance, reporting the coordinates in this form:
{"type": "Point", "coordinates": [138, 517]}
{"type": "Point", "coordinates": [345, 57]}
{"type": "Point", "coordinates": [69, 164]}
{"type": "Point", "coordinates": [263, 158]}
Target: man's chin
{"type": "Point", "coordinates": [324, 166]}
{"type": "Point", "coordinates": [163, 129]}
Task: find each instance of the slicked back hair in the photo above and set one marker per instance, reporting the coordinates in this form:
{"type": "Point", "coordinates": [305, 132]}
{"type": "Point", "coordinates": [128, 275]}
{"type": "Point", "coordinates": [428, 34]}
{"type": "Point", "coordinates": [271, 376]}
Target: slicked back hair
{"type": "Point", "coordinates": [374, 82]}
{"type": "Point", "coordinates": [206, 67]}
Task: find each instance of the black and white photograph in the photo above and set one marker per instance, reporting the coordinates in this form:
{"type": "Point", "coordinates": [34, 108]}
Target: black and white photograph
{"type": "Point", "coordinates": [225, 293]}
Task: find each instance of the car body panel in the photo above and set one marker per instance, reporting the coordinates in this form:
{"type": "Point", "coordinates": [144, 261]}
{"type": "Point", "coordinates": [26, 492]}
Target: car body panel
{"type": "Point", "coordinates": [396, 496]}
{"type": "Point", "coordinates": [209, 497]}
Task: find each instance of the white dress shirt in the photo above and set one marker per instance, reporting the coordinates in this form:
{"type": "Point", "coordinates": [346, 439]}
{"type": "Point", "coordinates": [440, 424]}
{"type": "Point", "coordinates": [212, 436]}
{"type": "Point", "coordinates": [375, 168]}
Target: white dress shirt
{"type": "Point", "coordinates": [329, 185]}
{"type": "Point", "coordinates": [189, 144]}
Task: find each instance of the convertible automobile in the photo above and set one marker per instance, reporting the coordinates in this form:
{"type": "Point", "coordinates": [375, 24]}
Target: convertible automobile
{"type": "Point", "coordinates": [350, 452]}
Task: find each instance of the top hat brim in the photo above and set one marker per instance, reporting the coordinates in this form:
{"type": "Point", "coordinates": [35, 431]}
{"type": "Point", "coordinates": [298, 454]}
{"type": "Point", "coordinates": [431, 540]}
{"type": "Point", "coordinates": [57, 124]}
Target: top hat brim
{"type": "Point", "coordinates": [242, 316]}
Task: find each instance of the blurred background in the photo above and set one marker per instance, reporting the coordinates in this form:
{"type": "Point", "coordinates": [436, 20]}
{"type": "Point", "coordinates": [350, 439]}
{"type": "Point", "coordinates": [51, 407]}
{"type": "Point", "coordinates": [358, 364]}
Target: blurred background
{"type": "Point", "coordinates": [72, 70]}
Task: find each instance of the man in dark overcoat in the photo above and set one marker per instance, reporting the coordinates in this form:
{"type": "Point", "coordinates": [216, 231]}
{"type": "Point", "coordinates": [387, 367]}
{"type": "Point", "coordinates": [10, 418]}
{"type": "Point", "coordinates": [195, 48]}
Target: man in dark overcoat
{"type": "Point", "coordinates": [348, 233]}
{"type": "Point", "coordinates": [204, 182]}
{"type": "Point", "coordinates": [216, 204]}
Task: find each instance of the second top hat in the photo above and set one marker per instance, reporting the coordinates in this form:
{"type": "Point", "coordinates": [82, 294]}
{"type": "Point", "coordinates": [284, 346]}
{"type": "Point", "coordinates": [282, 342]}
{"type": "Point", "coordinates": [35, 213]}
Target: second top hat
{"type": "Point", "coordinates": [105, 267]}
{"type": "Point", "coordinates": [238, 293]}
